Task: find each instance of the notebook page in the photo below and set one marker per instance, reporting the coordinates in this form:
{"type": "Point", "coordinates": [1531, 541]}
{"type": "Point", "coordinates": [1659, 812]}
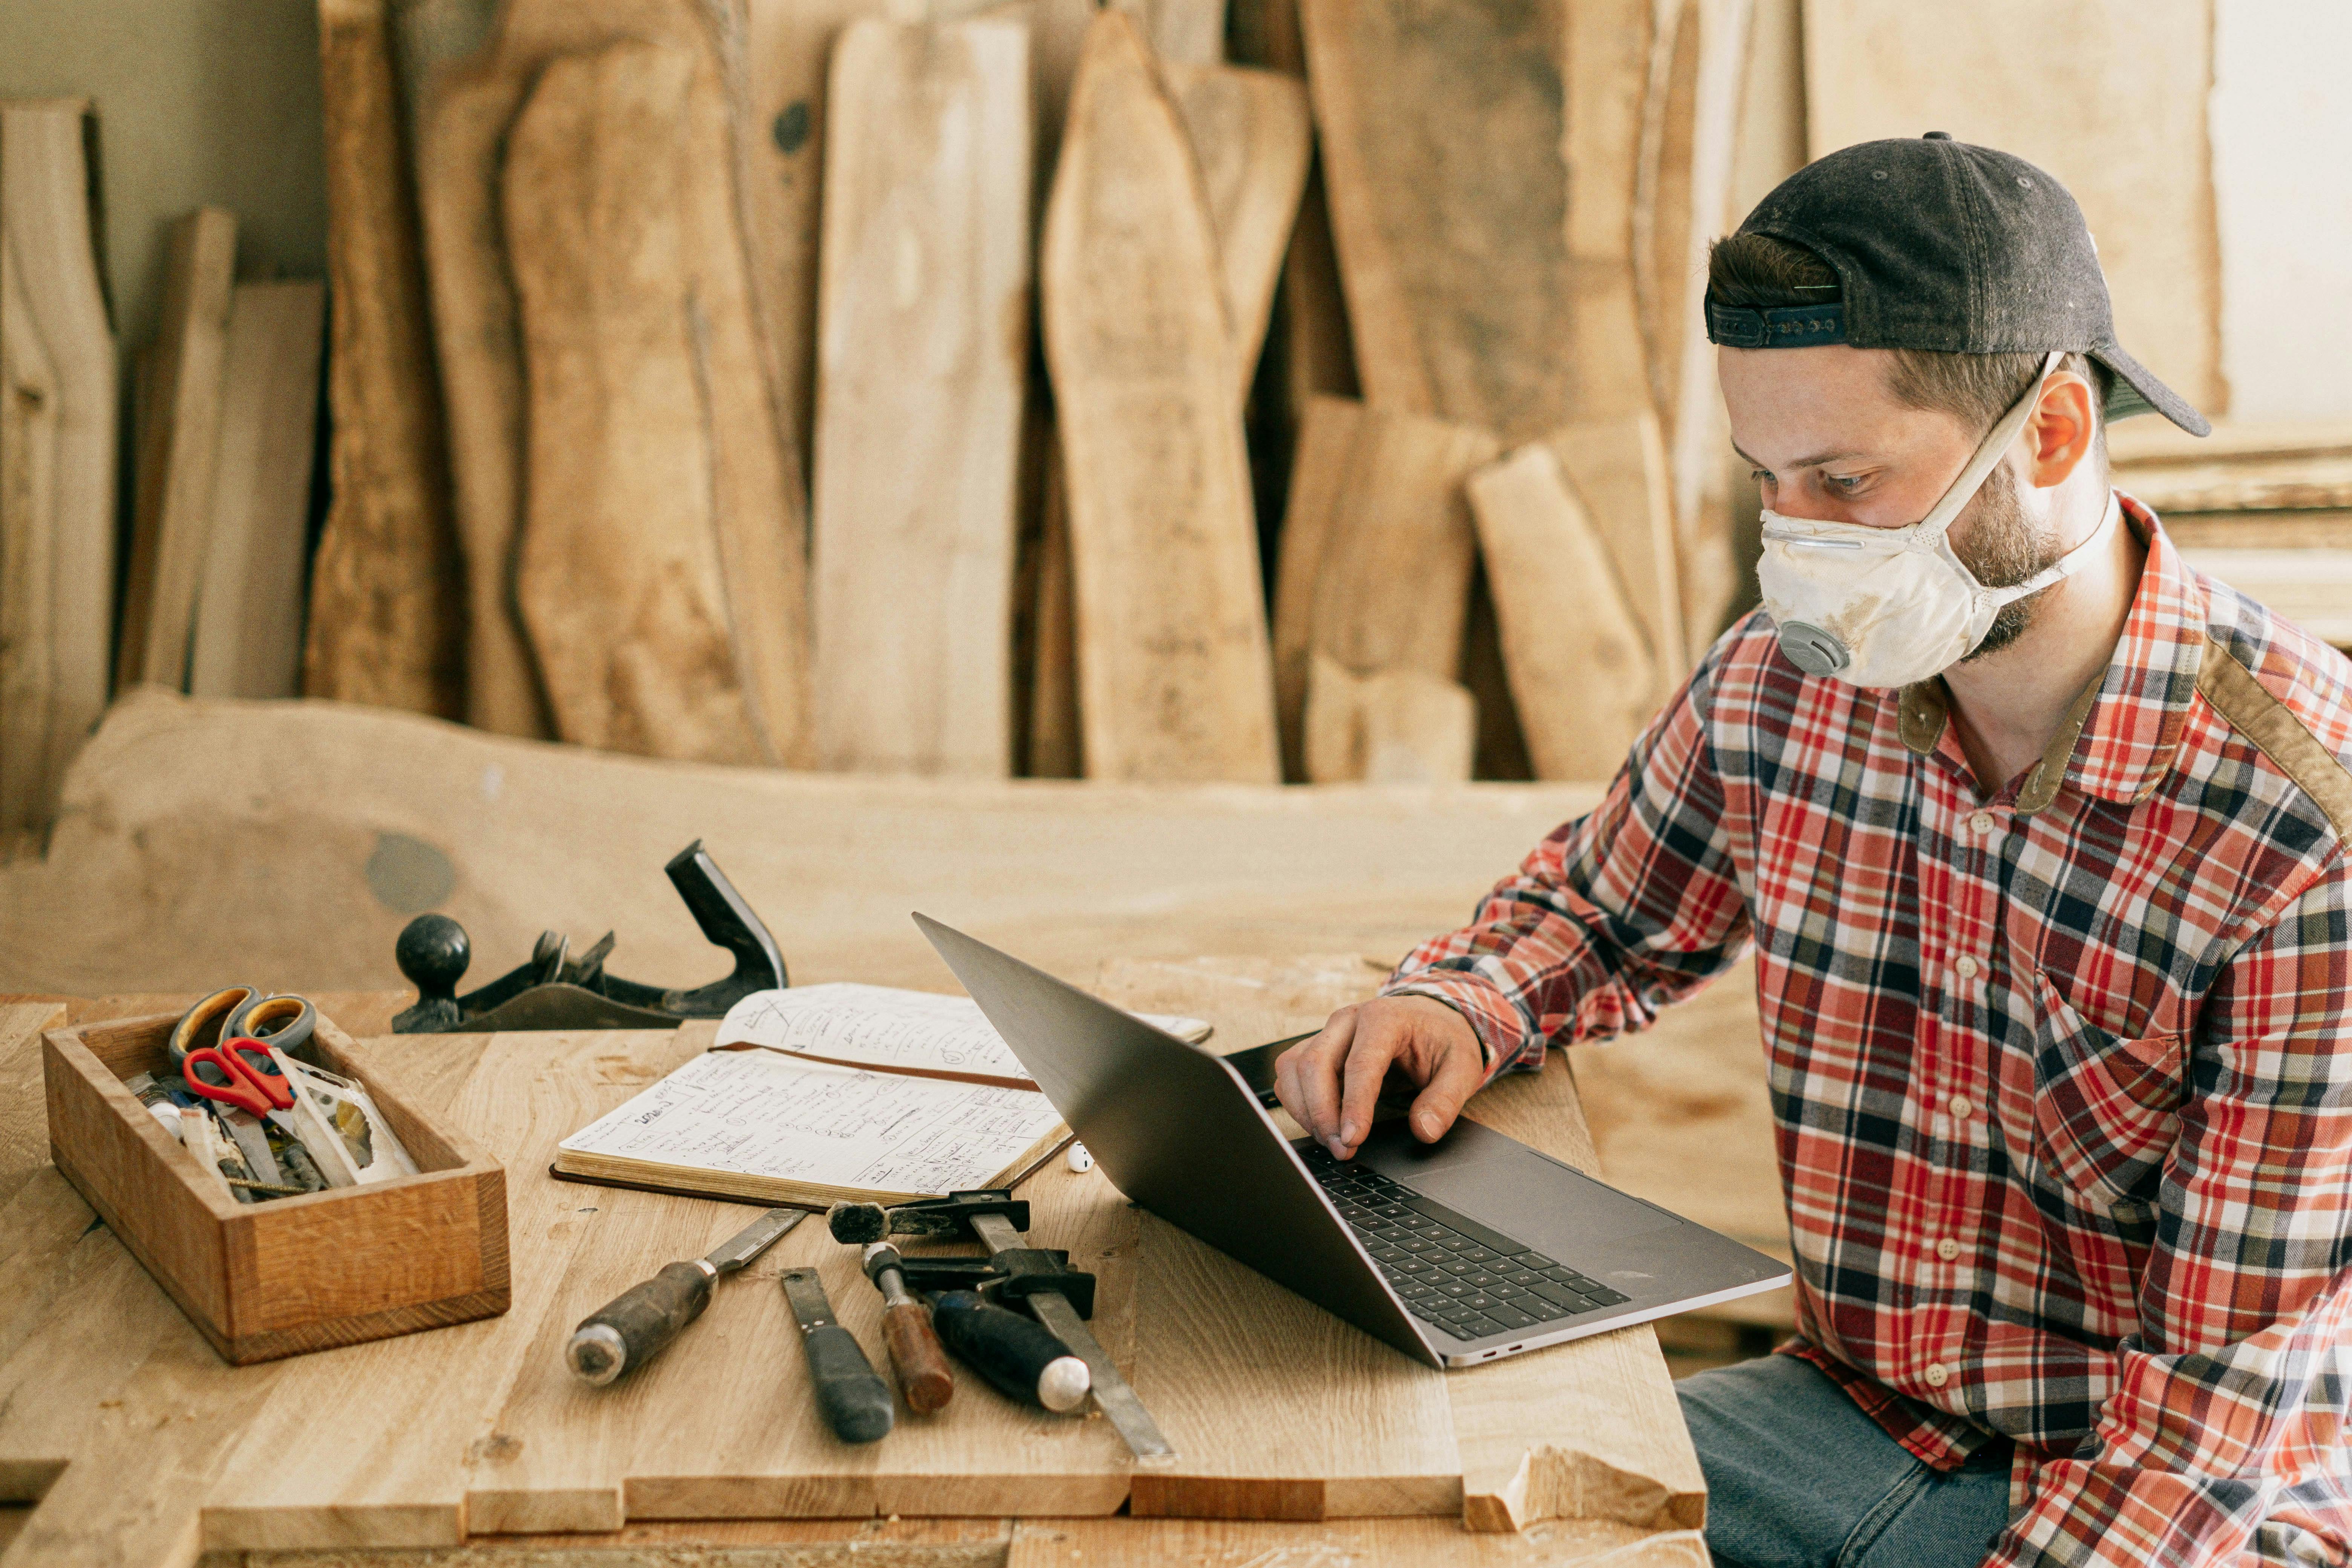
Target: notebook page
{"type": "Point", "coordinates": [885, 1027]}
{"type": "Point", "coordinates": [761, 1114]}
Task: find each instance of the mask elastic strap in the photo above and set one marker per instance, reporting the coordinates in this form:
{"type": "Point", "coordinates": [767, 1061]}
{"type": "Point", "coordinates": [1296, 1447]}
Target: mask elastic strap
{"type": "Point", "coordinates": [1991, 450]}
{"type": "Point", "coordinates": [2066, 565]}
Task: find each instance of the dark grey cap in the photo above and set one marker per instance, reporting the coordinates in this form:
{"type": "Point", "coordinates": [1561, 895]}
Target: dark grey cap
{"type": "Point", "coordinates": [1940, 244]}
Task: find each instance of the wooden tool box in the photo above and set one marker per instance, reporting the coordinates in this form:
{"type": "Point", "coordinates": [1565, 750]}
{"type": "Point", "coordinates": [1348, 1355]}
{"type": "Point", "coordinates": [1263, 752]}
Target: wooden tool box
{"type": "Point", "coordinates": [271, 1279]}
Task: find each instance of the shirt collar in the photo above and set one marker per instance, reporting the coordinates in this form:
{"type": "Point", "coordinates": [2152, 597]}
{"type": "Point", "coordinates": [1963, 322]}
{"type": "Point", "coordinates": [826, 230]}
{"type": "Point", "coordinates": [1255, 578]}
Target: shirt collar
{"type": "Point", "coordinates": [2120, 735]}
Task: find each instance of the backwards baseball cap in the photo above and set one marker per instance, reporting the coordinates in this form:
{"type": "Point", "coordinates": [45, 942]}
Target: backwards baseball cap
{"type": "Point", "coordinates": [1944, 246]}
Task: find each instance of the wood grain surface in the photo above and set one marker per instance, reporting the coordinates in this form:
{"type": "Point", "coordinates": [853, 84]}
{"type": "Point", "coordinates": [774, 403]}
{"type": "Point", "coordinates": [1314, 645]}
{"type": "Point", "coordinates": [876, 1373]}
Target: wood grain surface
{"type": "Point", "coordinates": [1478, 329]}
{"type": "Point", "coordinates": [1607, 83]}
{"type": "Point", "coordinates": [248, 632]}
{"type": "Point", "coordinates": [1617, 467]}
{"type": "Point", "coordinates": [1173, 659]}
{"type": "Point", "coordinates": [1399, 726]}
{"type": "Point", "coordinates": [923, 358]}
{"type": "Point", "coordinates": [56, 459]}
{"type": "Point", "coordinates": [1183, 32]}
{"type": "Point", "coordinates": [1579, 664]}
{"type": "Point", "coordinates": [179, 446]}
{"type": "Point", "coordinates": [387, 625]}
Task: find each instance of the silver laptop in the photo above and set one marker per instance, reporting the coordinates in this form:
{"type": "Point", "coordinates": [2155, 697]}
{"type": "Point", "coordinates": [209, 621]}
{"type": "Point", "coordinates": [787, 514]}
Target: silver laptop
{"type": "Point", "coordinates": [1457, 1252]}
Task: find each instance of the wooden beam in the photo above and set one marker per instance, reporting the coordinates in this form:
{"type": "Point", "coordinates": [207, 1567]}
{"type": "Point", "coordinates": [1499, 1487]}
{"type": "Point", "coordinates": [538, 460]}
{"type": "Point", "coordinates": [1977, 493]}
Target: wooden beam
{"type": "Point", "coordinates": [1172, 658]}
{"type": "Point", "coordinates": [1580, 665]}
{"type": "Point", "coordinates": [621, 576]}
{"type": "Point", "coordinates": [1478, 329]}
{"type": "Point", "coordinates": [387, 622]}
{"type": "Point", "coordinates": [924, 350]}
{"type": "Point", "coordinates": [1617, 467]}
{"type": "Point", "coordinates": [63, 455]}
{"type": "Point", "coordinates": [1187, 32]}
{"type": "Point", "coordinates": [1396, 726]}
{"type": "Point", "coordinates": [178, 449]}
{"type": "Point", "coordinates": [248, 636]}
{"type": "Point", "coordinates": [1251, 137]}
{"type": "Point", "coordinates": [1608, 47]}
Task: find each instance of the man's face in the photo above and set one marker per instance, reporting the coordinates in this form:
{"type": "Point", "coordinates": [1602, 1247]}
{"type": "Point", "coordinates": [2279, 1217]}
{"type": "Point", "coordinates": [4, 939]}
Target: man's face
{"type": "Point", "coordinates": [1828, 441]}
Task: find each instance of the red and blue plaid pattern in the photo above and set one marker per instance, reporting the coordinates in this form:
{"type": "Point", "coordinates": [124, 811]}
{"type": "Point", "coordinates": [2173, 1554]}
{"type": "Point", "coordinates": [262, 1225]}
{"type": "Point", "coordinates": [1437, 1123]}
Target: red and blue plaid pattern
{"type": "Point", "coordinates": [2063, 1125]}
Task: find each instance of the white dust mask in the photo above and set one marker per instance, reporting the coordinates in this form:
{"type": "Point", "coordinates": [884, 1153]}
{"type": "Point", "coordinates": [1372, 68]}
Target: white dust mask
{"type": "Point", "coordinates": [1888, 607]}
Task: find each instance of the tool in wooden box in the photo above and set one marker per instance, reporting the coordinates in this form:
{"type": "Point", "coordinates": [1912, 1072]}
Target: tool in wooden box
{"type": "Point", "coordinates": [1037, 1279]}
{"type": "Point", "coordinates": [556, 990]}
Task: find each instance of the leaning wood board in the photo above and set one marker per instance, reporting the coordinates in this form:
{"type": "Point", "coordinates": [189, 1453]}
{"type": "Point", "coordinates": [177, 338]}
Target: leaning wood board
{"type": "Point", "coordinates": [1894, 67]}
{"type": "Point", "coordinates": [62, 455]}
{"type": "Point", "coordinates": [1174, 682]}
{"type": "Point", "coordinates": [1476, 328]}
{"type": "Point", "coordinates": [923, 355]}
{"type": "Point", "coordinates": [387, 623]}
{"type": "Point", "coordinates": [656, 576]}
{"type": "Point", "coordinates": [415, 1441]}
{"type": "Point", "coordinates": [248, 639]}
{"type": "Point", "coordinates": [178, 448]}
{"type": "Point", "coordinates": [1618, 469]}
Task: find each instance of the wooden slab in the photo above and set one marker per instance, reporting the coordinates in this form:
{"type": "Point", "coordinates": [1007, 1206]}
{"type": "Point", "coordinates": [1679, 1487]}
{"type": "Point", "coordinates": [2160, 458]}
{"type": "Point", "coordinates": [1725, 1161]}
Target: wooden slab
{"type": "Point", "coordinates": [2153, 442]}
{"type": "Point", "coordinates": [60, 461]}
{"type": "Point", "coordinates": [1358, 1542]}
{"type": "Point", "coordinates": [1056, 738]}
{"type": "Point", "coordinates": [2241, 484]}
{"type": "Point", "coordinates": [1579, 664]}
{"type": "Point", "coordinates": [1186, 32]}
{"type": "Point", "coordinates": [1377, 551]}
{"type": "Point", "coordinates": [2311, 587]}
{"type": "Point", "coordinates": [1607, 82]}
{"type": "Point", "coordinates": [1885, 67]}
{"type": "Point", "coordinates": [179, 446]}
{"type": "Point", "coordinates": [923, 356]}
{"type": "Point", "coordinates": [1476, 329]}
{"type": "Point", "coordinates": [1250, 136]}
{"type": "Point", "coordinates": [1173, 659]}
{"type": "Point", "coordinates": [2260, 529]}
{"type": "Point", "coordinates": [1391, 727]}
{"type": "Point", "coordinates": [387, 625]}
{"type": "Point", "coordinates": [1617, 467]}
{"type": "Point", "coordinates": [248, 635]}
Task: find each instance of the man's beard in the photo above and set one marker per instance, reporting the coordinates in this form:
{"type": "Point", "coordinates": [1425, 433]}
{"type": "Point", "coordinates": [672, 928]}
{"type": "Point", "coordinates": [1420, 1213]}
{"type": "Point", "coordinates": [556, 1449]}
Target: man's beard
{"type": "Point", "coordinates": [2005, 548]}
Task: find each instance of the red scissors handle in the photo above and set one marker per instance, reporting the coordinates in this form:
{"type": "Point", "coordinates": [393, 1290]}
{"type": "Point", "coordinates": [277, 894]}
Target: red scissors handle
{"type": "Point", "coordinates": [238, 1072]}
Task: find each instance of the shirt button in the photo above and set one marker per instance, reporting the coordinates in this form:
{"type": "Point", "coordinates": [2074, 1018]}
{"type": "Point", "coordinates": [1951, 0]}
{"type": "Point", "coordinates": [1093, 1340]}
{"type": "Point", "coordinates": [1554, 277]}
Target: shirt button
{"type": "Point", "coordinates": [1960, 1107]}
{"type": "Point", "coordinates": [1981, 823]}
{"type": "Point", "coordinates": [1937, 1375]}
{"type": "Point", "coordinates": [1948, 1250]}
{"type": "Point", "coordinates": [1965, 967]}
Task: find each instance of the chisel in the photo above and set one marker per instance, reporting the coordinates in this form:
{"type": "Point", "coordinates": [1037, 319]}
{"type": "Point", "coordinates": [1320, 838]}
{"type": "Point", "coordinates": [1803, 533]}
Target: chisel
{"type": "Point", "coordinates": [638, 1324]}
{"type": "Point", "coordinates": [1019, 1356]}
{"type": "Point", "coordinates": [916, 1355]}
{"type": "Point", "coordinates": [850, 1395]}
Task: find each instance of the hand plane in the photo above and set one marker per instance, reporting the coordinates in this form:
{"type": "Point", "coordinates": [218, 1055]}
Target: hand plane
{"type": "Point", "coordinates": [557, 991]}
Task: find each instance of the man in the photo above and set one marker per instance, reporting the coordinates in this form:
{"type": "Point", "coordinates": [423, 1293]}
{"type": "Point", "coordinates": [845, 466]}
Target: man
{"type": "Point", "coordinates": [2037, 835]}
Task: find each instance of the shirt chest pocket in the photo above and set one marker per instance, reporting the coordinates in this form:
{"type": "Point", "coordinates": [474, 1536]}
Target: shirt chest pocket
{"type": "Point", "coordinates": [2105, 1110]}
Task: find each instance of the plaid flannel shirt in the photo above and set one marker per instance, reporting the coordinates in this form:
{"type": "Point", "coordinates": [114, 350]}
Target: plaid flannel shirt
{"type": "Point", "coordinates": [2063, 1122]}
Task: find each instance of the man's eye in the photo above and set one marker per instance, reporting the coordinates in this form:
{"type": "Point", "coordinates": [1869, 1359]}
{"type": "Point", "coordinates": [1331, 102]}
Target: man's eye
{"type": "Point", "coordinates": [1849, 483]}
{"type": "Point", "coordinates": [1762, 475]}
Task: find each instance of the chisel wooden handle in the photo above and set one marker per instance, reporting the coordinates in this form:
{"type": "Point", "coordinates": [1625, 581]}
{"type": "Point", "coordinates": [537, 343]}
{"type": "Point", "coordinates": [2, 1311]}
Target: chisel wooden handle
{"type": "Point", "coordinates": [1019, 1356]}
{"type": "Point", "coordinates": [917, 1357]}
{"type": "Point", "coordinates": [850, 1395]}
{"type": "Point", "coordinates": [637, 1325]}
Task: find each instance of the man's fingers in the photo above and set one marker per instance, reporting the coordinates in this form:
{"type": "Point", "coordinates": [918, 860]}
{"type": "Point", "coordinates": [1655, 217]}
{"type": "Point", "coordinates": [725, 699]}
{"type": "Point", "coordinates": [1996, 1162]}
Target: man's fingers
{"type": "Point", "coordinates": [1374, 1047]}
{"type": "Point", "coordinates": [1459, 1073]}
{"type": "Point", "coordinates": [1318, 1075]}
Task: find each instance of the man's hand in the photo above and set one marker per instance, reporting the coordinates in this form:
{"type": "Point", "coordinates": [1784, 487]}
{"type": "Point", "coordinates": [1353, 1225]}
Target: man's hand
{"type": "Point", "coordinates": [1329, 1083]}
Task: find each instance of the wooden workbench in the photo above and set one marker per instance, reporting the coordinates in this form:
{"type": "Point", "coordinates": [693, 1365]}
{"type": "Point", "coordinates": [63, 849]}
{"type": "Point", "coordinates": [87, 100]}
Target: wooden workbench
{"type": "Point", "coordinates": [1302, 1440]}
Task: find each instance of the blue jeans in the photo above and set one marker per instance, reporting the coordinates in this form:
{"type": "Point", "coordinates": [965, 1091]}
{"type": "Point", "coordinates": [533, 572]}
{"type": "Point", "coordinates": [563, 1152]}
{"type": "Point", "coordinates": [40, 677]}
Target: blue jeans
{"type": "Point", "coordinates": [1797, 1477]}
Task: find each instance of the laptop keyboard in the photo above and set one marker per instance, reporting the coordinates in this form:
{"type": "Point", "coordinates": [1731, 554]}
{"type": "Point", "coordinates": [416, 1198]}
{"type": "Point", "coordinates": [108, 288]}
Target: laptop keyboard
{"type": "Point", "coordinates": [1469, 1280]}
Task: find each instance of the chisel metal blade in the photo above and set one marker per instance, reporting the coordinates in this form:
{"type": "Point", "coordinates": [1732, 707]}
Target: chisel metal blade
{"type": "Point", "coordinates": [753, 1239]}
{"type": "Point", "coordinates": [1113, 1394]}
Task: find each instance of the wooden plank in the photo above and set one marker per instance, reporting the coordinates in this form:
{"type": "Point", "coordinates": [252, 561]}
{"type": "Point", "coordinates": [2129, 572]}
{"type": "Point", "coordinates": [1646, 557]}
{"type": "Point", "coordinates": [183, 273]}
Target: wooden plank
{"type": "Point", "coordinates": [1359, 1543]}
{"type": "Point", "coordinates": [46, 228]}
{"type": "Point", "coordinates": [1660, 215]}
{"type": "Point", "coordinates": [2150, 441]}
{"type": "Point", "coordinates": [23, 1116]}
{"type": "Point", "coordinates": [2311, 587]}
{"type": "Point", "coordinates": [248, 635]}
{"type": "Point", "coordinates": [2260, 529]}
{"type": "Point", "coordinates": [1394, 726]}
{"type": "Point", "coordinates": [1478, 329]}
{"type": "Point", "coordinates": [1250, 136]}
{"type": "Point", "coordinates": [1377, 548]}
{"type": "Point", "coordinates": [2241, 484]}
{"type": "Point", "coordinates": [387, 627]}
{"type": "Point", "coordinates": [1184, 32]}
{"type": "Point", "coordinates": [1618, 469]}
{"type": "Point", "coordinates": [29, 542]}
{"type": "Point", "coordinates": [640, 448]}
{"type": "Point", "coordinates": [924, 350]}
{"type": "Point", "coordinates": [179, 448]}
{"type": "Point", "coordinates": [1173, 659]}
{"type": "Point", "coordinates": [1579, 664]}
{"type": "Point", "coordinates": [1884, 67]}
{"type": "Point", "coordinates": [1318, 348]}
{"type": "Point", "coordinates": [1608, 79]}
{"type": "Point", "coordinates": [1056, 738]}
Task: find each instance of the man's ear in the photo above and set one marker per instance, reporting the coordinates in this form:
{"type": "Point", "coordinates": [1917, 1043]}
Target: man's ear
{"type": "Point", "coordinates": [2060, 433]}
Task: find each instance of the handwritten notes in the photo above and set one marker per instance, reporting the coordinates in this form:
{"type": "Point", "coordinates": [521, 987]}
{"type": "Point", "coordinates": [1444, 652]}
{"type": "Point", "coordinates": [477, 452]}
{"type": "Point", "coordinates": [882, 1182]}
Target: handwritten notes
{"type": "Point", "coordinates": [893, 1030]}
{"type": "Point", "coordinates": [762, 1124]}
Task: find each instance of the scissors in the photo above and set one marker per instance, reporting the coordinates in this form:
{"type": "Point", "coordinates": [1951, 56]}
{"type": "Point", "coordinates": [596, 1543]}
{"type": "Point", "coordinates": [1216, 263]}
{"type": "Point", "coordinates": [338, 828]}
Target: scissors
{"type": "Point", "coordinates": [239, 1072]}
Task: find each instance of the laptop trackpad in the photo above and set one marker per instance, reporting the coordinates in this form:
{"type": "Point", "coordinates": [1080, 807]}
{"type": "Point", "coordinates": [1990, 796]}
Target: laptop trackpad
{"type": "Point", "coordinates": [1500, 1181]}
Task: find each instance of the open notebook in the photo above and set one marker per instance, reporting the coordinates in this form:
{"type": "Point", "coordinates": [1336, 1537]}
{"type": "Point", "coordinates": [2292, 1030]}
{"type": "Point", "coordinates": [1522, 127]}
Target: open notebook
{"type": "Point", "coordinates": [830, 1092]}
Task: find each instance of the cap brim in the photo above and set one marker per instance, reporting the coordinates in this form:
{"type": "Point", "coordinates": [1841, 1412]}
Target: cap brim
{"type": "Point", "coordinates": [2136, 391]}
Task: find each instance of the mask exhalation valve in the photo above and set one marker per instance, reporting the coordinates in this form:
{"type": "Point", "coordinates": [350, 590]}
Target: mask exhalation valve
{"type": "Point", "coordinates": [1812, 650]}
